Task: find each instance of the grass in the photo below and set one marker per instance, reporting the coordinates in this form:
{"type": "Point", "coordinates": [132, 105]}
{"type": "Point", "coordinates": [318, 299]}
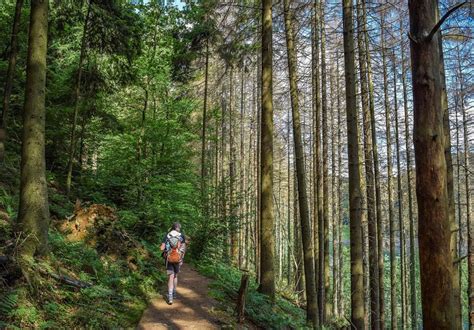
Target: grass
{"type": "Point", "coordinates": [117, 298]}
{"type": "Point", "coordinates": [259, 309]}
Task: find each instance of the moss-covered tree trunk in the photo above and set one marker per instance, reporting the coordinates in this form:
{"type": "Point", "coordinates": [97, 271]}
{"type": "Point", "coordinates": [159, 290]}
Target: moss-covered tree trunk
{"type": "Point", "coordinates": [33, 214]}
{"type": "Point", "coordinates": [306, 234]}
{"type": "Point", "coordinates": [9, 77]}
{"type": "Point", "coordinates": [355, 193]}
{"type": "Point", "coordinates": [267, 243]}
{"type": "Point", "coordinates": [431, 174]}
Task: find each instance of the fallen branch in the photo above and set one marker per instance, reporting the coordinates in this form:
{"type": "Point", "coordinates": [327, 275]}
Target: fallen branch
{"type": "Point", "coordinates": [67, 280]}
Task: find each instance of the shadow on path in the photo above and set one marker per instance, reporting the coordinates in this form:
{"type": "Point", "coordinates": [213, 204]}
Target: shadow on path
{"type": "Point", "coordinates": [190, 310]}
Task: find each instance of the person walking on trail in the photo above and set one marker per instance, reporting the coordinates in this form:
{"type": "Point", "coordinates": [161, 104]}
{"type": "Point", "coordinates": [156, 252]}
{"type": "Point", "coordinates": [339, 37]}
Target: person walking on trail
{"type": "Point", "coordinates": [173, 247]}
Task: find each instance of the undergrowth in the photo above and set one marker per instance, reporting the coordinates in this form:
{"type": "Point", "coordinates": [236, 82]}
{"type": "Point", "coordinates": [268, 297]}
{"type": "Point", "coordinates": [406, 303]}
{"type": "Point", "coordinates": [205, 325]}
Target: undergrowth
{"type": "Point", "coordinates": [116, 299]}
{"type": "Point", "coordinates": [259, 309]}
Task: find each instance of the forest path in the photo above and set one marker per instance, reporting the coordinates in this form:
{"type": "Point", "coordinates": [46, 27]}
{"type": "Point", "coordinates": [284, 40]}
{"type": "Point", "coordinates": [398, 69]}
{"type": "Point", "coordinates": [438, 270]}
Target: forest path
{"type": "Point", "coordinates": [190, 310]}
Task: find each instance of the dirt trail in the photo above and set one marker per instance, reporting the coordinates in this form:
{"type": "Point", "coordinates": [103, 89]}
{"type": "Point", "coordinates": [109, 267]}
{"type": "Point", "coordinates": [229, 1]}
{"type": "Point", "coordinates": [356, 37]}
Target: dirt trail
{"type": "Point", "coordinates": [190, 310]}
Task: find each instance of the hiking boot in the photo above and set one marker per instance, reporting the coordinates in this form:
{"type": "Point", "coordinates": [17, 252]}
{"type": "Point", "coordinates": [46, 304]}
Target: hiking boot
{"type": "Point", "coordinates": [170, 299]}
{"type": "Point", "coordinates": [175, 295]}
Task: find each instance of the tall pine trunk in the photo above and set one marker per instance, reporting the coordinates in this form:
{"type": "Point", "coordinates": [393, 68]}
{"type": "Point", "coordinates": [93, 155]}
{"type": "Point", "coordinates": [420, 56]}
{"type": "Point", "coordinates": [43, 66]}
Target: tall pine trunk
{"type": "Point", "coordinates": [355, 193]}
{"type": "Point", "coordinates": [413, 263]}
{"type": "Point", "coordinates": [267, 284]}
{"type": "Point", "coordinates": [33, 214]}
{"type": "Point", "coordinates": [308, 249]}
{"type": "Point", "coordinates": [369, 171]}
{"type": "Point", "coordinates": [431, 174]}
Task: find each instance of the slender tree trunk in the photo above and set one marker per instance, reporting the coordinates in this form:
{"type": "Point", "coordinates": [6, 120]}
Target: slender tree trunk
{"type": "Point", "coordinates": [378, 204]}
{"type": "Point", "coordinates": [412, 268]}
{"type": "Point", "coordinates": [400, 194]}
{"type": "Point", "coordinates": [308, 249]}
{"type": "Point", "coordinates": [317, 182]}
{"type": "Point", "coordinates": [266, 213]}
{"type": "Point", "coordinates": [431, 173]}
{"type": "Point", "coordinates": [289, 252]}
{"type": "Point", "coordinates": [77, 99]}
{"type": "Point", "coordinates": [204, 192]}
{"type": "Point", "coordinates": [334, 209]}
{"type": "Point", "coordinates": [355, 194]}
{"type": "Point", "coordinates": [470, 237]}
{"type": "Point", "coordinates": [450, 177]}
{"type": "Point", "coordinates": [393, 276]}
{"type": "Point", "coordinates": [9, 77]}
{"type": "Point", "coordinates": [370, 186]}
{"type": "Point", "coordinates": [340, 298]}
{"type": "Point", "coordinates": [325, 171]}
{"type": "Point", "coordinates": [234, 221]}
{"type": "Point", "coordinates": [33, 213]}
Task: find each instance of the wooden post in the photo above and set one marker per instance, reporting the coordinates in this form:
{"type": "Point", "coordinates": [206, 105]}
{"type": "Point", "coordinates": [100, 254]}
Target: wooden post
{"type": "Point", "coordinates": [244, 284]}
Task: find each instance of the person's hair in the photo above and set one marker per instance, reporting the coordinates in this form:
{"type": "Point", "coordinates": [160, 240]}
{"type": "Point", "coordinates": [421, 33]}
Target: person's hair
{"type": "Point", "coordinates": [176, 226]}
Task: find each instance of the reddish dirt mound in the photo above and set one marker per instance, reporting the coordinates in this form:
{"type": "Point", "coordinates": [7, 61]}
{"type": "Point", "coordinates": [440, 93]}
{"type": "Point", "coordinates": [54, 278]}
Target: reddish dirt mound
{"type": "Point", "coordinates": [86, 220]}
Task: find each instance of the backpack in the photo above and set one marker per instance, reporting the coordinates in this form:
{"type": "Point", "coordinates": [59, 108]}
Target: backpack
{"type": "Point", "coordinates": [174, 251]}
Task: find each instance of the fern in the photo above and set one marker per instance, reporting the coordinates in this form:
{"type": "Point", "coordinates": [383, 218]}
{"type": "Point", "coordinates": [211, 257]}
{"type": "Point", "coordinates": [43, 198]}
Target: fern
{"type": "Point", "coordinates": [8, 303]}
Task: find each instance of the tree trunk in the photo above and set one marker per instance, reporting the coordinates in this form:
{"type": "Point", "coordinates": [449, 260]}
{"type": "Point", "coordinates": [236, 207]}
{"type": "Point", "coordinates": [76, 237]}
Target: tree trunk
{"type": "Point", "coordinates": [77, 99]}
{"type": "Point", "coordinates": [204, 193]}
{"type": "Point", "coordinates": [391, 221]}
{"type": "Point", "coordinates": [369, 171]}
{"type": "Point", "coordinates": [403, 267]}
{"type": "Point", "coordinates": [340, 205]}
{"type": "Point", "coordinates": [9, 77]}
{"type": "Point", "coordinates": [470, 237]}
{"type": "Point", "coordinates": [412, 268]}
{"type": "Point", "coordinates": [33, 213]}
{"type": "Point", "coordinates": [450, 178]}
{"type": "Point", "coordinates": [378, 204]}
{"type": "Point", "coordinates": [317, 182]}
{"type": "Point", "coordinates": [267, 247]}
{"type": "Point", "coordinates": [325, 171]}
{"type": "Point", "coordinates": [308, 249]}
{"type": "Point", "coordinates": [355, 194]}
{"type": "Point", "coordinates": [431, 173]}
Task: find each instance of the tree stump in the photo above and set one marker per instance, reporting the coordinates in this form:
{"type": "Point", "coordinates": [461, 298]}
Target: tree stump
{"type": "Point", "coordinates": [244, 284]}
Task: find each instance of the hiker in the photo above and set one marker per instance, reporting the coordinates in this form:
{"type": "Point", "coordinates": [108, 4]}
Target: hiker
{"type": "Point", "coordinates": [173, 247]}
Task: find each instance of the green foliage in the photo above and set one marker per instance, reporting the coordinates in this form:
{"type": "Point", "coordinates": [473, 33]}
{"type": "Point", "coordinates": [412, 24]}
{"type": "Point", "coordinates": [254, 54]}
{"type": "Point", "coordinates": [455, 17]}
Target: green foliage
{"type": "Point", "coordinates": [259, 309]}
{"type": "Point", "coordinates": [116, 300]}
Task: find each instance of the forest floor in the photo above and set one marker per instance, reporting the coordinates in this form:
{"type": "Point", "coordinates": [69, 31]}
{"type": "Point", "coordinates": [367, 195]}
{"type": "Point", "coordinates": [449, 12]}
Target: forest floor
{"type": "Point", "coordinates": [192, 309]}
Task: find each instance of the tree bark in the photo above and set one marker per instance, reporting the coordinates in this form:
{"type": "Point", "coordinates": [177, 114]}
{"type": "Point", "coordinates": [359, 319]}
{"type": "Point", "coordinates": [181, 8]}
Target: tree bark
{"type": "Point", "coordinates": [391, 221]}
{"type": "Point", "coordinates": [33, 214]}
{"type": "Point", "coordinates": [413, 263]}
{"type": "Point", "coordinates": [369, 172]}
{"type": "Point", "coordinates": [431, 173]}
{"type": "Point", "coordinates": [325, 170]}
{"type": "Point", "coordinates": [267, 285]}
{"type": "Point", "coordinates": [308, 249]}
{"type": "Point", "coordinates": [355, 194]}
{"type": "Point", "coordinates": [317, 182]}
{"type": "Point", "coordinates": [450, 178]}
{"type": "Point", "coordinates": [9, 77]}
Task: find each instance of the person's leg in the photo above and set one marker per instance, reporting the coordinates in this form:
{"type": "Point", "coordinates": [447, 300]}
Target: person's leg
{"type": "Point", "coordinates": [175, 284]}
{"type": "Point", "coordinates": [171, 280]}
{"type": "Point", "coordinates": [171, 274]}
